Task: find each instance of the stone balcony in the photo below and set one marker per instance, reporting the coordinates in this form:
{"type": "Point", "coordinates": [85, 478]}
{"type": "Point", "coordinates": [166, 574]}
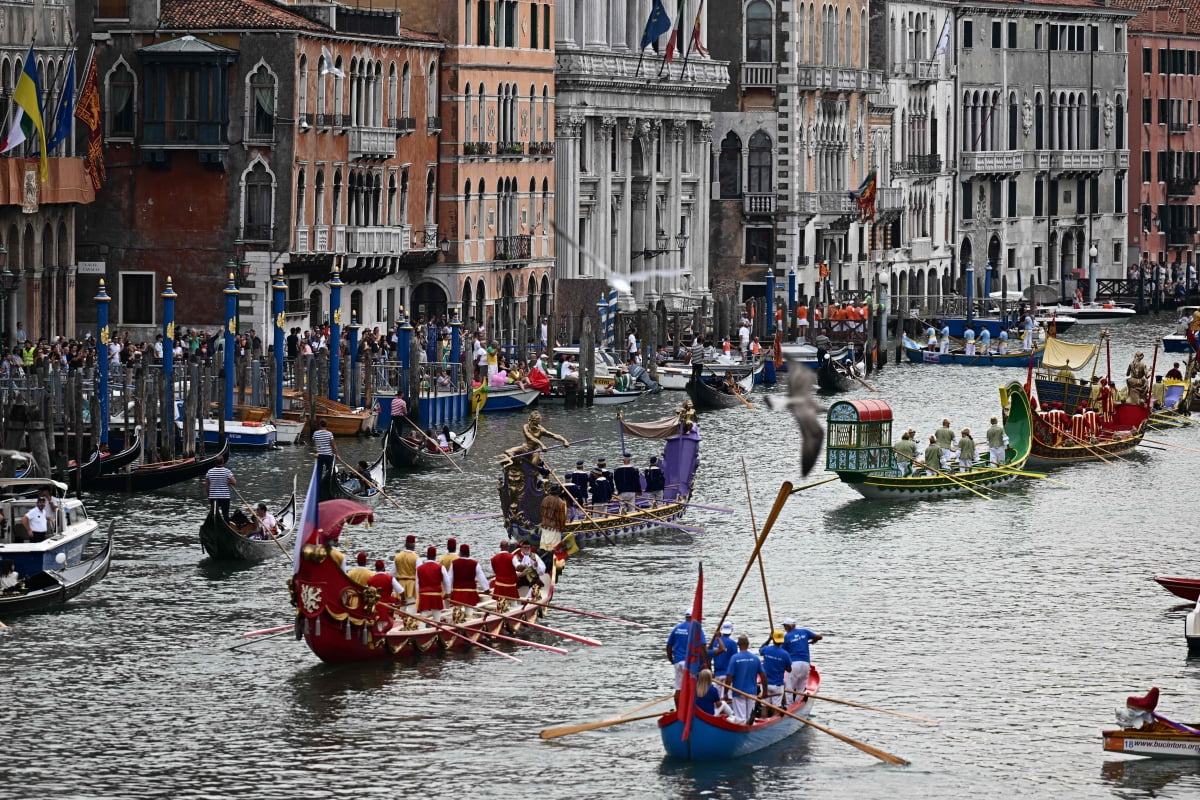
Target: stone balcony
{"type": "Point", "coordinates": [992, 162]}
{"type": "Point", "coordinates": [754, 203]}
{"type": "Point", "coordinates": [378, 240]}
{"type": "Point", "coordinates": [838, 79]}
{"type": "Point", "coordinates": [372, 144]}
{"type": "Point", "coordinates": [758, 76]}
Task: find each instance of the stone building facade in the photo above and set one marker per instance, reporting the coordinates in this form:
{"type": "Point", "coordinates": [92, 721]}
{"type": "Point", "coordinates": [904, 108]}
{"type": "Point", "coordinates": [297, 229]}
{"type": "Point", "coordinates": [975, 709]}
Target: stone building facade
{"type": "Point", "coordinates": [496, 163]}
{"type": "Point", "coordinates": [634, 139]}
{"type": "Point", "coordinates": [1043, 156]}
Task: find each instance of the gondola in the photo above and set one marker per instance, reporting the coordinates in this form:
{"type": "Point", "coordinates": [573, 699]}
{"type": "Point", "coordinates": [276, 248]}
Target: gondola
{"type": "Point", "coordinates": [834, 378]}
{"type": "Point", "coordinates": [223, 541]}
{"type": "Point", "coordinates": [343, 484]}
{"type": "Point", "coordinates": [415, 452]}
{"type": "Point", "coordinates": [712, 737]}
{"type": "Point", "coordinates": [706, 392]}
{"type": "Point", "coordinates": [148, 477]}
{"type": "Point", "coordinates": [77, 473]}
{"type": "Point", "coordinates": [53, 587]}
{"type": "Point", "coordinates": [114, 461]}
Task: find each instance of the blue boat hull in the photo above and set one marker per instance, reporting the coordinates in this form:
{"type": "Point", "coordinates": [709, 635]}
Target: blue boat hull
{"type": "Point", "coordinates": [1176, 344]}
{"type": "Point", "coordinates": [919, 355]}
{"type": "Point", "coordinates": [712, 738]}
{"type": "Point", "coordinates": [509, 401]}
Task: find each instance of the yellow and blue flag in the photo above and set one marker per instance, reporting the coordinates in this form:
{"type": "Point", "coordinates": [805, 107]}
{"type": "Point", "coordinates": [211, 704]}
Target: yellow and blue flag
{"type": "Point", "coordinates": [28, 117]}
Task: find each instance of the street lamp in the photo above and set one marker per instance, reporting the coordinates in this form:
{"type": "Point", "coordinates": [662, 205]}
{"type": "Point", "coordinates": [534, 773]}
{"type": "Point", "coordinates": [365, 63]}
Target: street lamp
{"type": "Point", "coordinates": [1092, 274]}
{"type": "Point", "coordinates": [681, 240]}
{"type": "Point", "coordinates": [445, 246]}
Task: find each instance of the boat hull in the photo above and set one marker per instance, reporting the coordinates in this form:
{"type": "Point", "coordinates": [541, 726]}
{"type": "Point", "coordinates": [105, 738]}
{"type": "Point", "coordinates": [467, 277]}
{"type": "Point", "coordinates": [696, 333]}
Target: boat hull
{"type": "Point", "coordinates": [1153, 743]}
{"type": "Point", "coordinates": [1092, 314]}
{"type": "Point", "coordinates": [408, 452]}
{"type": "Point", "coordinates": [883, 487]}
{"type": "Point", "coordinates": [52, 588]}
{"type": "Point", "coordinates": [919, 355]}
{"type": "Point", "coordinates": [510, 399]}
{"type": "Point", "coordinates": [222, 543]}
{"type": "Point", "coordinates": [1187, 588]}
{"type": "Point", "coordinates": [713, 738]}
{"type": "Point", "coordinates": [600, 528]}
{"type": "Point", "coordinates": [146, 479]}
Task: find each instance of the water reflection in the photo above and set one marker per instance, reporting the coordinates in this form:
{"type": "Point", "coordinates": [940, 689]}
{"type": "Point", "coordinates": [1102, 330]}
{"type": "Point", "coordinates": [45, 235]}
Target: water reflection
{"type": "Point", "coordinates": [1147, 777]}
{"type": "Point", "coordinates": [754, 776]}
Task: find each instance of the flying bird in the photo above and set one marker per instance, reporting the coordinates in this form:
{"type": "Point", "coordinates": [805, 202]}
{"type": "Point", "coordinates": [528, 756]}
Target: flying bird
{"type": "Point", "coordinates": [802, 402]}
{"type": "Point", "coordinates": [618, 280]}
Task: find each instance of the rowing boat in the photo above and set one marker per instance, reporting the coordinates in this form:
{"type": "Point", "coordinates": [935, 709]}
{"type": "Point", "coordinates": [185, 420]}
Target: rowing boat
{"type": "Point", "coordinates": [1187, 588]}
{"type": "Point", "coordinates": [921, 355]}
{"type": "Point", "coordinates": [860, 452]}
{"type": "Point", "coordinates": [713, 737]}
{"type": "Point", "coordinates": [711, 391]}
{"type": "Point", "coordinates": [343, 484]}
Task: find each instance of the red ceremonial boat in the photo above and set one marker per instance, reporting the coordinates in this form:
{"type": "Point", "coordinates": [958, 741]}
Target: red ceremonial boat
{"type": "Point", "coordinates": [1187, 588]}
{"type": "Point", "coordinates": [343, 620]}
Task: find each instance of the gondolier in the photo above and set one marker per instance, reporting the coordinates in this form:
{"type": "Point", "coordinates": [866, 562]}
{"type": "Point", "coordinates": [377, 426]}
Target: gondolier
{"type": "Point", "coordinates": [216, 484]}
{"type": "Point", "coordinates": [466, 578]}
{"type": "Point", "coordinates": [326, 449]}
{"type": "Point", "coordinates": [996, 443]}
{"type": "Point", "coordinates": [399, 407]}
{"type": "Point", "coordinates": [433, 584]}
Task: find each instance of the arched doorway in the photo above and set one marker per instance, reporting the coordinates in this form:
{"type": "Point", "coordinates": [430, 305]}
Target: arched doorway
{"type": "Point", "coordinates": [506, 312]}
{"type": "Point", "coordinates": [316, 313]}
{"type": "Point", "coordinates": [966, 255]}
{"type": "Point", "coordinates": [481, 305]}
{"type": "Point", "coordinates": [466, 304]}
{"type": "Point", "coordinates": [544, 310]}
{"type": "Point", "coordinates": [429, 300]}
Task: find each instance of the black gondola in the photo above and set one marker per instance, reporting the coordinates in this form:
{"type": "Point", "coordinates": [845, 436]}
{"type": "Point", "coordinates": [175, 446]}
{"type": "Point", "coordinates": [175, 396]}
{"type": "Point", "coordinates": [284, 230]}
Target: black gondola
{"type": "Point", "coordinates": [77, 473]}
{"type": "Point", "coordinates": [51, 589]}
{"type": "Point", "coordinates": [122, 458]}
{"type": "Point", "coordinates": [416, 452]}
{"type": "Point", "coordinates": [223, 541]}
{"type": "Point", "coordinates": [343, 484]}
{"type": "Point", "coordinates": [712, 392]}
{"type": "Point", "coordinates": [834, 377]}
{"type": "Point", "coordinates": [148, 477]}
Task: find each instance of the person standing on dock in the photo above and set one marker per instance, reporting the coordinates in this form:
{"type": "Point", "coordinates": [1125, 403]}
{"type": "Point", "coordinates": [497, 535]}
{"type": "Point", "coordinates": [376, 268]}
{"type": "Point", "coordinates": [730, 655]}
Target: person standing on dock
{"type": "Point", "coordinates": [326, 449]}
{"type": "Point", "coordinates": [216, 484]}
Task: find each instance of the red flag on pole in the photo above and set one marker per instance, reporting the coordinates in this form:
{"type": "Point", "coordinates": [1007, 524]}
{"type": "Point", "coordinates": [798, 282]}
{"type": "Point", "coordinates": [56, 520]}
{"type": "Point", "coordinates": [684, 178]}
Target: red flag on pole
{"type": "Point", "coordinates": [676, 39]}
{"type": "Point", "coordinates": [695, 658]}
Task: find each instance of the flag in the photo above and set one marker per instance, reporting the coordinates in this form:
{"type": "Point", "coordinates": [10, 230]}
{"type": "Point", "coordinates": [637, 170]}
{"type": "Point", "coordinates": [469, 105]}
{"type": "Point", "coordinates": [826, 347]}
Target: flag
{"type": "Point", "coordinates": [87, 111]}
{"type": "Point", "coordinates": [66, 110]}
{"type": "Point", "coordinates": [943, 40]}
{"type": "Point", "coordinates": [676, 33]}
{"type": "Point", "coordinates": [864, 196]}
{"type": "Point", "coordinates": [28, 98]}
{"type": "Point", "coordinates": [656, 25]}
{"type": "Point", "coordinates": [309, 516]}
{"type": "Point", "coordinates": [329, 68]}
{"type": "Point", "coordinates": [695, 658]}
{"type": "Point", "coordinates": [695, 43]}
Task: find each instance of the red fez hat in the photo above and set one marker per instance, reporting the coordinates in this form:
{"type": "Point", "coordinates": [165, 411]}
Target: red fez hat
{"type": "Point", "coordinates": [362, 559]}
{"type": "Point", "coordinates": [431, 553]}
{"type": "Point", "coordinates": [451, 543]}
{"type": "Point", "coordinates": [465, 550]}
{"type": "Point", "coordinates": [379, 565]}
{"type": "Point", "coordinates": [410, 539]}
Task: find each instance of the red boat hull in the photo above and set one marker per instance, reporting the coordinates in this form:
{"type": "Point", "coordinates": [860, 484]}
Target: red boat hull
{"type": "Point", "coordinates": [1187, 588]}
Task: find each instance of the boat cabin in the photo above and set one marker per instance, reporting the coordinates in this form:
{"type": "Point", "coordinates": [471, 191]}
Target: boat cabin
{"type": "Point", "coordinates": [72, 529]}
{"type": "Point", "coordinates": [859, 437]}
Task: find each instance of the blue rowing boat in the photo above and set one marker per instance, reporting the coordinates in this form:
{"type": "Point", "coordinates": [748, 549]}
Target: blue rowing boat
{"type": "Point", "coordinates": [716, 738]}
{"type": "Point", "coordinates": [920, 355]}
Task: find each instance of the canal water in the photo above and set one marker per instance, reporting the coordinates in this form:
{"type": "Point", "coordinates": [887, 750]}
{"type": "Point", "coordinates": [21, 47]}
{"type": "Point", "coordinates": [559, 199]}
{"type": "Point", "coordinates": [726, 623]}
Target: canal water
{"type": "Point", "coordinates": [1021, 623]}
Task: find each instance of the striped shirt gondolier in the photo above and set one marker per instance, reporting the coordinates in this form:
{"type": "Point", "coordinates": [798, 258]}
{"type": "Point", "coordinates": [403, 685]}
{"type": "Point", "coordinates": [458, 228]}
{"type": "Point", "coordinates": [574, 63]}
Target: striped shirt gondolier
{"type": "Point", "coordinates": [399, 407]}
{"type": "Point", "coordinates": [323, 439]}
{"type": "Point", "coordinates": [218, 483]}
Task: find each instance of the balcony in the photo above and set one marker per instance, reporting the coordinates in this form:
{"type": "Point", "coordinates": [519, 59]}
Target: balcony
{"type": "Point", "coordinates": [758, 76]}
{"type": "Point", "coordinates": [257, 232]}
{"type": "Point", "coordinates": [433, 125]}
{"type": "Point", "coordinates": [296, 308]}
{"type": "Point", "coordinates": [1077, 161]}
{"type": "Point", "coordinates": [378, 240]}
{"type": "Point", "coordinates": [758, 203]}
{"type": "Point", "coordinates": [510, 148]}
{"type": "Point", "coordinates": [836, 202]}
{"type": "Point", "coordinates": [68, 183]}
{"type": "Point", "coordinates": [839, 79]}
{"type": "Point", "coordinates": [1178, 127]}
{"type": "Point", "coordinates": [339, 238]}
{"type": "Point", "coordinates": [477, 148]}
{"type": "Point", "coordinates": [302, 240]}
{"type": "Point", "coordinates": [924, 165]}
{"type": "Point", "coordinates": [888, 199]}
{"type": "Point", "coordinates": [404, 125]}
{"type": "Point", "coordinates": [513, 248]}
{"type": "Point", "coordinates": [993, 162]}
{"type": "Point", "coordinates": [1181, 186]}
{"type": "Point", "coordinates": [920, 249]}
{"type": "Point", "coordinates": [1180, 236]}
{"type": "Point", "coordinates": [921, 71]}
{"type": "Point", "coordinates": [372, 144]}
{"type": "Point", "coordinates": [541, 148]}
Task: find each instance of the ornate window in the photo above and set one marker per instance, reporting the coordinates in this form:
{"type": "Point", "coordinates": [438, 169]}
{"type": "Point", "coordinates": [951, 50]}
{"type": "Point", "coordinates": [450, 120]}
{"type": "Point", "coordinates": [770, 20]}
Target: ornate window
{"type": "Point", "coordinates": [760, 163]}
{"type": "Point", "coordinates": [258, 200]}
{"type": "Point", "coordinates": [261, 96]}
{"type": "Point", "coordinates": [729, 167]}
{"type": "Point", "coordinates": [758, 32]}
{"type": "Point", "coordinates": [121, 91]}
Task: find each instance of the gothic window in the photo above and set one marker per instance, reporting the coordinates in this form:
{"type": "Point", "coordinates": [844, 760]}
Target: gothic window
{"type": "Point", "coordinates": [122, 87]}
{"type": "Point", "coordinates": [729, 167]}
{"type": "Point", "coordinates": [759, 163]}
{"type": "Point", "coordinates": [258, 195]}
{"type": "Point", "coordinates": [262, 102]}
{"type": "Point", "coordinates": [319, 199]}
{"type": "Point", "coordinates": [406, 91]}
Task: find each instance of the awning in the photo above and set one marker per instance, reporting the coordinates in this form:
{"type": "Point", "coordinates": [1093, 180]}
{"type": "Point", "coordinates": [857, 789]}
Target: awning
{"type": "Point", "coordinates": [1058, 353]}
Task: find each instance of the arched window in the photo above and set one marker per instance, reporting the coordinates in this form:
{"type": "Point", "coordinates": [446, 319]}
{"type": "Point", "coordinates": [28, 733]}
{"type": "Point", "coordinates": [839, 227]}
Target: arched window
{"type": "Point", "coordinates": [431, 90]}
{"type": "Point", "coordinates": [430, 200]}
{"type": "Point", "coordinates": [121, 91]}
{"type": "Point", "coordinates": [848, 45]}
{"type": "Point", "coordinates": [759, 163]}
{"type": "Point", "coordinates": [262, 104]}
{"type": "Point", "coordinates": [1039, 123]}
{"type": "Point", "coordinates": [319, 199]}
{"type": "Point", "coordinates": [258, 195]}
{"type": "Point", "coordinates": [864, 57]}
{"type": "Point", "coordinates": [338, 213]}
{"type": "Point", "coordinates": [1013, 113]}
{"type": "Point", "coordinates": [403, 197]}
{"type": "Point", "coordinates": [322, 71]}
{"type": "Point", "coordinates": [406, 91]}
{"type": "Point", "coordinates": [800, 42]}
{"type": "Point", "coordinates": [1119, 111]}
{"type": "Point", "coordinates": [729, 166]}
{"type": "Point", "coordinates": [338, 91]}
{"type": "Point", "coordinates": [392, 107]}
{"type": "Point", "coordinates": [758, 32]}
{"type": "Point", "coordinates": [302, 87]}
{"type": "Point", "coordinates": [300, 191]}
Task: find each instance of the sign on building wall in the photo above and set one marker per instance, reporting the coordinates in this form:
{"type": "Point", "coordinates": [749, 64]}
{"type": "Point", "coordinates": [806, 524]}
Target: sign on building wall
{"type": "Point", "coordinates": [91, 268]}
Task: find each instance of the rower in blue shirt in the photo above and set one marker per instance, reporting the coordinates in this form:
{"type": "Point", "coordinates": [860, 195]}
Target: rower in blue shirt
{"type": "Point", "coordinates": [602, 489]}
{"type": "Point", "coordinates": [677, 648]}
{"type": "Point", "coordinates": [796, 641]}
{"type": "Point", "coordinates": [776, 665]}
{"type": "Point", "coordinates": [745, 674]}
{"type": "Point", "coordinates": [655, 481]}
{"type": "Point", "coordinates": [722, 650]}
{"type": "Point", "coordinates": [627, 481]}
{"type": "Point", "coordinates": [985, 341]}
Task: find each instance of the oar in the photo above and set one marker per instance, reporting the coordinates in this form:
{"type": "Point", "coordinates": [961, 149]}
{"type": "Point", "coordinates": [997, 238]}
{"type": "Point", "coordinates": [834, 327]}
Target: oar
{"type": "Point", "coordinates": [437, 447]}
{"type": "Point", "coordinates": [261, 638]}
{"type": "Point", "coordinates": [1025, 474]}
{"type": "Point", "coordinates": [554, 733]}
{"type": "Point", "coordinates": [254, 517]}
{"type": "Point", "coordinates": [817, 483]}
{"type": "Point", "coordinates": [866, 748]}
{"type": "Point", "coordinates": [785, 491]}
{"type": "Point", "coordinates": [718, 509]}
{"type": "Point", "coordinates": [871, 708]}
{"type": "Point", "coordinates": [368, 482]}
{"type": "Point", "coordinates": [287, 627]}
{"type": "Point", "coordinates": [464, 517]}
{"type": "Point", "coordinates": [582, 510]}
{"type": "Point", "coordinates": [652, 519]}
{"type": "Point", "coordinates": [534, 625]}
{"type": "Point", "coordinates": [1085, 445]}
{"type": "Point", "coordinates": [936, 471]}
{"type": "Point", "coordinates": [547, 449]}
{"type": "Point", "coordinates": [1168, 444]}
{"type": "Point", "coordinates": [577, 611]}
{"type": "Point", "coordinates": [447, 629]}
{"type": "Point", "coordinates": [762, 570]}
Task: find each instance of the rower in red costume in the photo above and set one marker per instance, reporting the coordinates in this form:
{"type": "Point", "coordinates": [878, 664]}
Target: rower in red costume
{"type": "Point", "coordinates": [466, 578]}
{"type": "Point", "coordinates": [433, 584]}
{"type": "Point", "coordinates": [505, 582]}
{"type": "Point", "coordinates": [1106, 399]}
{"type": "Point", "coordinates": [391, 593]}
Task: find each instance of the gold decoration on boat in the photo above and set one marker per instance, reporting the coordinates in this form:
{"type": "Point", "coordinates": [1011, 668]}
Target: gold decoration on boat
{"type": "Point", "coordinates": [411, 623]}
{"type": "Point", "coordinates": [370, 596]}
{"type": "Point", "coordinates": [314, 552]}
{"type": "Point", "coordinates": [351, 599]}
{"type": "Point", "coordinates": [460, 615]}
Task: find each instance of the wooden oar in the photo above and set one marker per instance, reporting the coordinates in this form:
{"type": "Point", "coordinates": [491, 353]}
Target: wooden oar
{"type": "Point", "coordinates": [817, 483]}
{"type": "Point", "coordinates": [260, 639]}
{"type": "Point", "coordinates": [762, 570]}
{"type": "Point", "coordinates": [577, 611]}
{"type": "Point", "coordinates": [654, 520]}
{"type": "Point", "coordinates": [871, 708]}
{"type": "Point", "coordinates": [785, 491]}
{"type": "Point", "coordinates": [545, 449]}
{"type": "Point", "coordinates": [287, 627]}
{"type": "Point", "coordinates": [254, 517]}
{"type": "Point", "coordinates": [465, 517]}
{"type": "Point", "coordinates": [961, 483]}
{"type": "Point", "coordinates": [437, 447]}
{"type": "Point", "coordinates": [882, 755]}
{"type": "Point", "coordinates": [554, 733]}
{"type": "Point", "coordinates": [534, 625]}
{"type": "Point", "coordinates": [1025, 474]}
{"type": "Point", "coordinates": [368, 482]}
{"type": "Point", "coordinates": [1085, 445]}
{"type": "Point", "coordinates": [445, 628]}
{"type": "Point", "coordinates": [1168, 444]}
{"type": "Point", "coordinates": [718, 509]}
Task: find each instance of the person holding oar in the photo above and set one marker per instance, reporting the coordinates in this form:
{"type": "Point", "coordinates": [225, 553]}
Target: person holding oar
{"type": "Point", "coordinates": [745, 675]}
{"type": "Point", "coordinates": [677, 649]}
{"type": "Point", "coordinates": [796, 642]}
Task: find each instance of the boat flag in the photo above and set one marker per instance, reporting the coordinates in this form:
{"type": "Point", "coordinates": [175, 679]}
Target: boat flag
{"type": "Point", "coordinates": [87, 111]}
{"type": "Point", "coordinates": [695, 658]}
{"type": "Point", "coordinates": [28, 118]}
{"type": "Point", "coordinates": [943, 40]}
{"type": "Point", "coordinates": [864, 196]}
{"type": "Point", "coordinates": [309, 516]}
{"type": "Point", "coordinates": [65, 110]}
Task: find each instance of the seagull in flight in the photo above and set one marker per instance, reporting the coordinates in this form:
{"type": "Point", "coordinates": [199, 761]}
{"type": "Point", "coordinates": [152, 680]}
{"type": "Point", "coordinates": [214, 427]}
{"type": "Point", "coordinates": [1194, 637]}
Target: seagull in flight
{"type": "Point", "coordinates": [620, 281]}
{"type": "Point", "coordinates": [803, 405]}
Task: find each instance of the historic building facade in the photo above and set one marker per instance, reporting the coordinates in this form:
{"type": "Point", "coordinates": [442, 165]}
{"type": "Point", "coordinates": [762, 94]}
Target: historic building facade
{"type": "Point", "coordinates": [496, 163]}
{"type": "Point", "coordinates": [634, 138]}
{"type": "Point", "coordinates": [245, 137]}
{"type": "Point", "coordinates": [1043, 156]}
{"type": "Point", "coordinates": [1164, 135]}
{"type": "Point", "coordinates": [37, 218]}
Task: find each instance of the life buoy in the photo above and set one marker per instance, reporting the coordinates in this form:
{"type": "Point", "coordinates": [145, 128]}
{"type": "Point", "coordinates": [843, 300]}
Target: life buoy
{"type": "Point", "coordinates": [252, 424]}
